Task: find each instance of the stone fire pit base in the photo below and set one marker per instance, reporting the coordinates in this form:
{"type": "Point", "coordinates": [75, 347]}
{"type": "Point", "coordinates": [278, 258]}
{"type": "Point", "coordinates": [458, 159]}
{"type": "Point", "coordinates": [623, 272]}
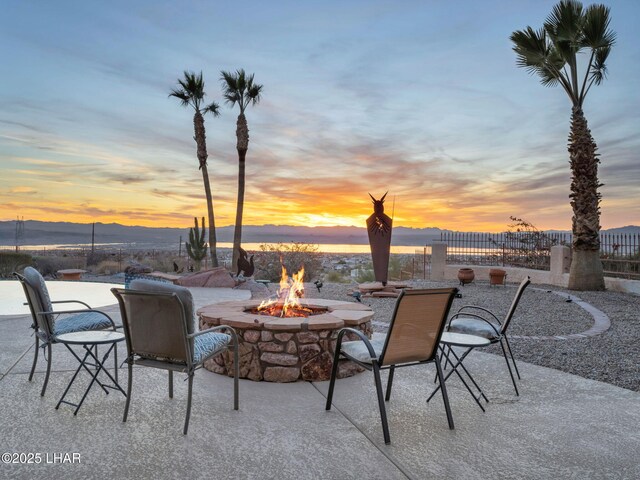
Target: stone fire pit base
{"type": "Point", "coordinates": [286, 349]}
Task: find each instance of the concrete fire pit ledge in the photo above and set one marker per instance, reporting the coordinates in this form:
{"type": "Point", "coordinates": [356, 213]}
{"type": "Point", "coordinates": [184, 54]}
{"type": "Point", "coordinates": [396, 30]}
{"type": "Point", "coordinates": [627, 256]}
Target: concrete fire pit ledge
{"type": "Point", "coordinates": [277, 349]}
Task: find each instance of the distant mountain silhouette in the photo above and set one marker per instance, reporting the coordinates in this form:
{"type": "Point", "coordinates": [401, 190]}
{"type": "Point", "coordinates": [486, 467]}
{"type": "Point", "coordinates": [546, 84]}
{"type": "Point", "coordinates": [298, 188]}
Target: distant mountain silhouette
{"type": "Point", "coordinates": [47, 233]}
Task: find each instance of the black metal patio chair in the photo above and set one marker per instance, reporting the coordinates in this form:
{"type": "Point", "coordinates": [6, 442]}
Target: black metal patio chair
{"type": "Point", "coordinates": [161, 332]}
{"type": "Point", "coordinates": [412, 339]}
{"type": "Point", "coordinates": [48, 324]}
{"type": "Point", "coordinates": [474, 320]}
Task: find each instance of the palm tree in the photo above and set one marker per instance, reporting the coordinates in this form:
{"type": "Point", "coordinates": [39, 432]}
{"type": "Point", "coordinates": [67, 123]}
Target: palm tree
{"type": "Point", "coordinates": [240, 89]}
{"type": "Point", "coordinates": [191, 93]}
{"type": "Point", "coordinates": [552, 54]}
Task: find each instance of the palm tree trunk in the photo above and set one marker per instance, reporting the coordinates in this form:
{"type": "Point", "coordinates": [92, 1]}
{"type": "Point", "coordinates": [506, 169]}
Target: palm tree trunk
{"type": "Point", "coordinates": [200, 138]}
{"type": "Point", "coordinates": [586, 268]}
{"type": "Point", "coordinates": [242, 145]}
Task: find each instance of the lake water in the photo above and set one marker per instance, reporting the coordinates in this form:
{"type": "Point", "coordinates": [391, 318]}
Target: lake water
{"type": "Point", "coordinates": [322, 247]}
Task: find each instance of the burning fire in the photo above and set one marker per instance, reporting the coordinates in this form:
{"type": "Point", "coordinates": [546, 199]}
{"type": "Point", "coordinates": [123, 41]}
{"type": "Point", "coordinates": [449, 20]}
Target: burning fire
{"type": "Point", "coordinates": [287, 303]}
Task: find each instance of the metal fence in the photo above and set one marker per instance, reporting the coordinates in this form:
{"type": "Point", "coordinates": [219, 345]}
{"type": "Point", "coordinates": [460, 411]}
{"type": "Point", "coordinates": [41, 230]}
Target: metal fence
{"type": "Point", "coordinates": [620, 253]}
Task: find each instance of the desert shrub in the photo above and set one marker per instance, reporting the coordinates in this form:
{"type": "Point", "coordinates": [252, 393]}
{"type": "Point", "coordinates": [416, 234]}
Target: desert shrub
{"type": "Point", "coordinates": [108, 267]}
{"type": "Point", "coordinates": [336, 277]}
{"type": "Point", "coordinates": [13, 262]}
{"type": "Point", "coordinates": [365, 275]}
{"type": "Point", "coordinates": [49, 265]}
{"type": "Point", "coordinates": [293, 257]}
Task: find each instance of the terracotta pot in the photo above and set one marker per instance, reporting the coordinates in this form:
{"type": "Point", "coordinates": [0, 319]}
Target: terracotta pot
{"type": "Point", "coordinates": [466, 275]}
{"type": "Point", "coordinates": [497, 276]}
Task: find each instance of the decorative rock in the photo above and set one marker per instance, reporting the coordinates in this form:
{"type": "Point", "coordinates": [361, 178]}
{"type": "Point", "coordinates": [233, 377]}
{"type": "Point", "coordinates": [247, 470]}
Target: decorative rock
{"type": "Point", "coordinates": [281, 374]}
{"type": "Point", "coordinates": [318, 368]}
{"type": "Point", "coordinates": [266, 336]}
{"type": "Point", "coordinates": [279, 359]}
{"type": "Point", "coordinates": [324, 333]}
{"type": "Point", "coordinates": [283, 337]}
{"type": "Point", "coordinates": [289, 324]}
{"type": "Point", "coordinates": [308, 351]}
{"type": "Point", "coordinates": [307, 337]}
{"type": "Point", "coordinates": [348, 369]}
{"type": "Point", "coordinates": [251, 336]}
{"type": "Point", "coordinates": [291, 347]}
{"type": "Point", "coordinates": [270, 347]}
{"type": "Point", "coordinates": [324, 321]}
{"type": "Point", "coordinates": [215, 277]}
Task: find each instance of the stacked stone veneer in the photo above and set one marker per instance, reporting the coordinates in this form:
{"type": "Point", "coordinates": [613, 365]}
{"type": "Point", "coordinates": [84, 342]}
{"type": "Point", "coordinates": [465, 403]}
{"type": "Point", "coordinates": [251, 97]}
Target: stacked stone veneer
{"type": "Point", "coordinates": [277, 349]}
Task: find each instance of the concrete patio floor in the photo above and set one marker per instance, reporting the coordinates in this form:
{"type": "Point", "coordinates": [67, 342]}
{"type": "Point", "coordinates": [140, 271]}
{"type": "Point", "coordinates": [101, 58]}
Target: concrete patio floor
{"type": "Point", "coordinates": [561, 426]}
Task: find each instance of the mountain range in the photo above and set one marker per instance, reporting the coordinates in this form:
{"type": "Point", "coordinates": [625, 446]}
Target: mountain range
{"type": "Point", "coordinates": [49, 233]}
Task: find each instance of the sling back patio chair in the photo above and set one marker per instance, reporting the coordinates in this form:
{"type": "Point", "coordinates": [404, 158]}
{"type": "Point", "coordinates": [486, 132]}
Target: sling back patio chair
{"type": "Point", "coordinates": [49, 324]}
{"type": "Point", "coordinates": [474, 320]}
{"type": "Point", "coordinates": [412, 339]}
{"type": "Point", "coordinates": [161, 332]}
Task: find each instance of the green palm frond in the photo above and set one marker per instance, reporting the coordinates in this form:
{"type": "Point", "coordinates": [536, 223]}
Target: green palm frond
{"type": "Point", "coordinates": [551, 52]}
{"type": "Point", "coordinates": [212, 108]}
{"type": "Point", "coordinates": [191, 92]}
{"type": "Point", "coordinates": [239, 88]}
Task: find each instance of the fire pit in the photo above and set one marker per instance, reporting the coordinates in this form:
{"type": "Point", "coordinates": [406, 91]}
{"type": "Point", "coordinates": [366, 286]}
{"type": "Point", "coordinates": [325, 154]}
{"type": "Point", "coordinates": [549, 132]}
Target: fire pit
{"type": "Point", "coordinates": [289, 338]}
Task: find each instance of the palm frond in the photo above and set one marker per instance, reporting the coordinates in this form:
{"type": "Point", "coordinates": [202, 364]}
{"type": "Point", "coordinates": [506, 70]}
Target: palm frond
{"type": "Point", "coordinates": [254, 94]}
{"type": "Point", "coordinates": [599, 68]}
{"type": "Point", "coordinates": [564, 23]}
{"type": "Point", "coordinates": [180, 95]}
{"type": "Point", "coordinates": [212, 108]}
{"type": "Point", "coordinates": [596, 28]}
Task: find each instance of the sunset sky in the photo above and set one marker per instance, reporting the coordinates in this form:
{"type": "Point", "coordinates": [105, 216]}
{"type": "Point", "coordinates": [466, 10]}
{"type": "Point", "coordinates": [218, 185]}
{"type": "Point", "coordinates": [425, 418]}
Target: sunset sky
{"type": "Point", "coordinates": [420, 98]}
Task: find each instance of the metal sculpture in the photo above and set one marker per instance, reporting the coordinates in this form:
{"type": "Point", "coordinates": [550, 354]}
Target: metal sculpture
{"type": "Point", "coordinates": [379, 229]}
{"type": "Point", "coordinates": [245, 263]}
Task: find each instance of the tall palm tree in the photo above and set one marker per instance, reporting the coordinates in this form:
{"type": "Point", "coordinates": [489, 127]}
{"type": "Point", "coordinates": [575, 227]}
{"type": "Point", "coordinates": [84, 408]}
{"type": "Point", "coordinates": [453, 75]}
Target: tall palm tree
{"type": "Point", "coordinates": [239, 88]}
{"type": "Point", "coordinates": [552, 54]}
{"type": "Point", "coordinates": [191, 93]}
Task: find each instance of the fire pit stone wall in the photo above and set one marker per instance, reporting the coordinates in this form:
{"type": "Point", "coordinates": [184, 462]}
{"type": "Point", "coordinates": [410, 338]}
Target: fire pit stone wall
{"type": "Point", "coordinates": [277, 349]}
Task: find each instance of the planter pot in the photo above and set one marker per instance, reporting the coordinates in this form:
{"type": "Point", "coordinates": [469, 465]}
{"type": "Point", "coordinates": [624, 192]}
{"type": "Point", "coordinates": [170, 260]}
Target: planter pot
{"type": "Point", "coordinates": [466, 275]}
{"type": "Point", "coordinates": [497, 276]}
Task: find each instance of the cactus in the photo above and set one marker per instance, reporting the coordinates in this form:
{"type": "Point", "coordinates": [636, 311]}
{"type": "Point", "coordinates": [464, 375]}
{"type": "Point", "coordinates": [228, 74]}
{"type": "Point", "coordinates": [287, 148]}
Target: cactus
{"type": "Point", "coordinates": [196, 246]}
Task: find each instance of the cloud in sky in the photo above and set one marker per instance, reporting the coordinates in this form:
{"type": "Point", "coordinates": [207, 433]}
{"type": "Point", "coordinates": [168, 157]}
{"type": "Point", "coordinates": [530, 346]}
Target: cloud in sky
{"type": "Point", "coordinates": [419, 98]}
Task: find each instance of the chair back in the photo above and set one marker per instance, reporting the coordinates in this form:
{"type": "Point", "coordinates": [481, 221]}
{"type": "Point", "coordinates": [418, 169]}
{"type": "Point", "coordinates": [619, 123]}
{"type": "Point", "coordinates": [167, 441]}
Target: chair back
{"type": "Point", "coordinates": [417, 325]}
{"type": "Point", "coordinates": [35, 289]}
{"type": "Point", "coordinates": [155, 325]}
{"type": "Point", "coordinates": [514, 304]}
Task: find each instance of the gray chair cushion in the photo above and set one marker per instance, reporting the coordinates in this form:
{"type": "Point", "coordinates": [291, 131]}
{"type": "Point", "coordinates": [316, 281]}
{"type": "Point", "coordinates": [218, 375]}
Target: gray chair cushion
{"type": "Point", "coordinates": [207, 344]}
{"type": "Point", "coordinates": [162, 287]}
{"type": "Point", "coordinates": [358, 350]}
{"type": "Point", "coordinates": [474, 326]}
{"type": "Point", "coordinates": [81, 322]}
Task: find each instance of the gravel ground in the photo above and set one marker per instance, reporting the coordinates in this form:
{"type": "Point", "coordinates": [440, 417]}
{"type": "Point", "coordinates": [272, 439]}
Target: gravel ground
{"type": "Point", "coordinates": [611, 357]}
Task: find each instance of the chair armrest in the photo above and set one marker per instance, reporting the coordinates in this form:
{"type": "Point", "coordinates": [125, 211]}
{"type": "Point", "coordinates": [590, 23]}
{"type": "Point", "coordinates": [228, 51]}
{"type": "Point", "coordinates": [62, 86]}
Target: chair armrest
{"type": "Point", "coordinates": [482, 309]}
{"type": "Point", "coordinates": [466, 315]}
{"type": "Point", "coordinates": [61, 312]}
{"type": "Point", "coordinates": [362, 337]}
{"type": "Point", "coordinates": [234, 335]}
{"type": "Point", "coordinates": [71, 301]}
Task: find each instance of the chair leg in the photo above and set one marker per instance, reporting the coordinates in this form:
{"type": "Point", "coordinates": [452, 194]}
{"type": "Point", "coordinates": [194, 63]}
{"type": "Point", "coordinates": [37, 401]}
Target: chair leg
{"type": "Point", "coordinates": [186, 420]}
{"type": "Point", "coordinates": [170, 383]}
{"type": "Point", "coordinates": [115, 361]}
{"type": "Point", "coordinates": [236, 378]}
{"type": "Point", "coordinates": [445, 397]}
{"type": "Point", "coordinates": [512, 357]}
{"type": "Point", "coordinates": [506, 359]}
{"type": "Point", "coordinates": [35, 358]}
{"type": "Point", "coordinates": [334, 374]}
{"type": "Point", "coordinates": [389, 383]}
{"type": "Point", "coordinates": [128, 402]}
{"type": "Point", "coordinates": [383, 410]}
{"type": "Point", "coordinates": [46, 377]}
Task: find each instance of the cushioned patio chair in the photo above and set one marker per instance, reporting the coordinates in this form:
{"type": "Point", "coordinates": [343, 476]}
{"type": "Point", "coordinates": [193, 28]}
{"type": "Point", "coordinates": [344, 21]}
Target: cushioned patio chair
{"type": "Point", "coordinates": [482, 322]}
{"type": "Point", "coordinates": [412, 339]}
{"type": "Point", "coordinates": [161, 332]}
{"type": "Point", "coordinates": [48, 324]}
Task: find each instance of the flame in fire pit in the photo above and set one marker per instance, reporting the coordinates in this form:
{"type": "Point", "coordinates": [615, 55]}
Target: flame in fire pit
{"type": "Point", "coordinates": [288, 302]}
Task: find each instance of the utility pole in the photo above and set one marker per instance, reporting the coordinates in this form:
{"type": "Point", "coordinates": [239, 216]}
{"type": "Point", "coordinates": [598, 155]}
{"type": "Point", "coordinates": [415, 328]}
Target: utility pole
{"type": "Point", "coordinates": [180, 247]}
{"type": "Point", "coordinates": [19, 232]}
{"type": "Point", "coordinates": [93, 238]}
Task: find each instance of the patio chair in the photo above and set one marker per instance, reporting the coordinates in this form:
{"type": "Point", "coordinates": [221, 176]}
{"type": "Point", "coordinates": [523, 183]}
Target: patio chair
{"type": "Point", "coordinates": [479, 321]}
{"type": "Point", "coordinates": [47, 323]}
{"type": "Point", "coordinates": [161, 332]}
{"type": "Point", "coordinates": [412, 339]}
